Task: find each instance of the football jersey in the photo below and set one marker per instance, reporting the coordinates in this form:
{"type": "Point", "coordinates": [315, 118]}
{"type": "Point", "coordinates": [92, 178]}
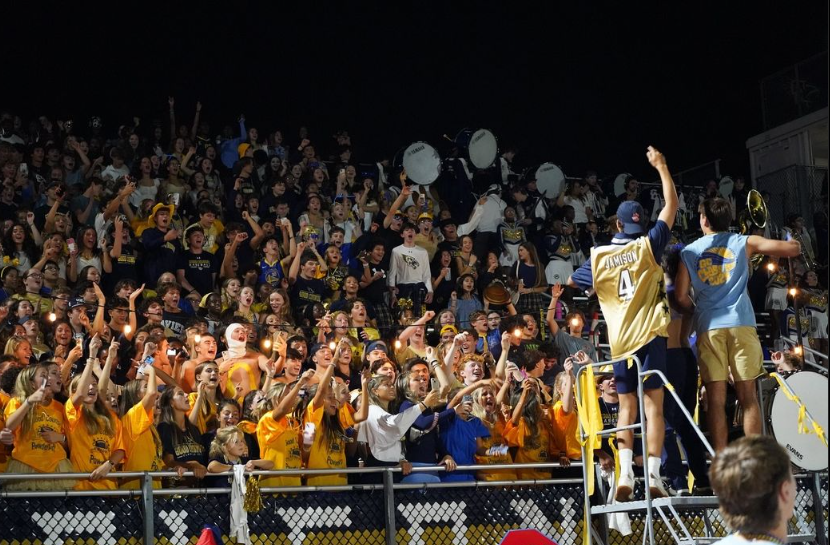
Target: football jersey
{"type": "Point", "coordinates": [631, 290]}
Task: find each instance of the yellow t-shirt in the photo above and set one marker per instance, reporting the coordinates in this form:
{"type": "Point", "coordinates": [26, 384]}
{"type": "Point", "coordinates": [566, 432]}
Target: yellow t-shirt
{"type": "Point", "coordinates": [496, 438]}
{"type": "Point", "coordinates": [30, 448]}
{"type": "Point", "coordinates": [141, 444]}
{"type": "Point", "coordinates": [204, 422]}
{"type": "Point", "coordinates": [565, 431]}
{"type": "Point", "coordinates": [87, 452]}
{"type": "Point", "coordinates": [5, 450]}
{"type": "Point", "coordinates": [517, 436]}
{"type": "Point", "coordinates": [327, 454]}
{"type": "Point", "coordinates": [35, 299]}
{"type": "Point", "coordinates": [279, 442]}
{"type": "Point", "coordinates": [632, 294]}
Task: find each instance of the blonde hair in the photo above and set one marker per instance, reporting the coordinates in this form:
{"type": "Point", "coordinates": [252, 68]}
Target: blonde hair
{"type": "Point", "coordinates": [13, 343]}
{"type": "Point", "coordinates": [24, 387]}
{"type": "Point", "coordinates": [223, 437]}
{"type": "Point", "coordinates": [557, 386]}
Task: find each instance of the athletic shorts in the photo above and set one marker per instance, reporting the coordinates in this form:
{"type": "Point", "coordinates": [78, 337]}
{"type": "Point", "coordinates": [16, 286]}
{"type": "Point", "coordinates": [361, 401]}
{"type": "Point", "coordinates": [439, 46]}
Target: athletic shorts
{"type": "Point", "coordinates": [735, 349]}
{"type": "Point", "coordinates": [652, 357]}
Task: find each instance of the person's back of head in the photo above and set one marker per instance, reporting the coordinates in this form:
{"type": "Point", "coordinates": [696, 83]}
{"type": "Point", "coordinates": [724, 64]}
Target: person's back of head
{"type": "Point", "coordinates": [718, 213]}
{"type": "Point", "coordinates": [747, 477]}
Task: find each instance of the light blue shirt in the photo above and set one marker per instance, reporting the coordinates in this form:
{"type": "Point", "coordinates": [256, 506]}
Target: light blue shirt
{"type": "Point", "coordinates": [719, 269]}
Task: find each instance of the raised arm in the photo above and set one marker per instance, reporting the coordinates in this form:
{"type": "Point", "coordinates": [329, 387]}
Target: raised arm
{"type": "Point", "coordinates": [555, 292]}
{"type": "Point", "coordinates": [420, 322]}
{"type": "Point", "coordinates": [682, 289]}
{"type": "Point", "coordinates": [775, 248]}
{"type": "Point", "coordinates": [287, 402]}
{"type": "Point", "coordinates": [396, 205]}
{"type": "Point", "coordinates": [86, 375]}
{"type": "Point", "coordinates": [323, 387]}
{"type": "Point", "coordinates": [669, 212]}
{"type": "Point", "coordinates": [259, 234]}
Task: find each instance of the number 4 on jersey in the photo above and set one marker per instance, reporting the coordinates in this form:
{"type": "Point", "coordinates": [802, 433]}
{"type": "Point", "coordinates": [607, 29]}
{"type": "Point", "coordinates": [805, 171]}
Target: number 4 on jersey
{"type": "Point", "coordinates": [626, 285]}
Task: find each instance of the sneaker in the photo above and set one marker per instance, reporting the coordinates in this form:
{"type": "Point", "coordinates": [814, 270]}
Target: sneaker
{"type": "Point", "coordinates": [703, 491]}
{"type": "Point", "coordinates": [625, 486]}
{"type": "Point", "coordinates": [656, 487]}
{"type": "Point", "coordinates": [678, 492]}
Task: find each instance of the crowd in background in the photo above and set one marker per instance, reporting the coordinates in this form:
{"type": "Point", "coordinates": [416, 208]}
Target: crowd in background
{"type": "Point", "coordinates": [176, 299]}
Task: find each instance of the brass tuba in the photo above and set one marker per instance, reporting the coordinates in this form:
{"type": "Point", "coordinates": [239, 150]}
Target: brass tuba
{"type": "Point", "coordinates": [755, 214]}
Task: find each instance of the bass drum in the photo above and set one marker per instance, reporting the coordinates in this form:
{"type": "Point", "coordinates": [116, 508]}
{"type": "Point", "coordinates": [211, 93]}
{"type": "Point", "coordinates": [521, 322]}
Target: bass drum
{"type": "Point", "coordinates": [480, 147]}
{"type": "Point", "coordinates": [726, 186]}
{"type": "Point", "coordinates": [420, 161]}
{"type": "Point", "coordinates": [619, 183]}
{"type": "Point", "coordinates": [549, 179]}
{"type": "Point", "coordinates": [805, 450]}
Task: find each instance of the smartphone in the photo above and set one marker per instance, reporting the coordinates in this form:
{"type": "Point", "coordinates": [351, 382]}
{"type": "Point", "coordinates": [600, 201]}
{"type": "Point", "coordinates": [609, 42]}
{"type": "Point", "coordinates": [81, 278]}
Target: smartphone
{"type": "Point", "coordinates": [70, 242]}
{"type": "Point", "coordinates": [172, 351]}
{"type": "Point", "coordinates": [24, 169]}
{"type": "Point", "coordinates": [467, 399]}
{"type": "Point", "coordinates": [360, 334]}
{"type": "Point", "coordinates": [434, 384]}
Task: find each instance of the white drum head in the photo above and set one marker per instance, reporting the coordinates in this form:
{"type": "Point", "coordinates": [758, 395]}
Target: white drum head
{"type": "Point", "coordinates": [805, 450]}
{"type": "Point", "coordinates": [725, 186]}
{"type": "Point", "coordinates": [483, 148]}
{"type": "Point", "coordinates": [619, 183]}
{"type": "Point", "coordinates": [422, 163]}
{"type": "Point", "coordinates": [549, 180]}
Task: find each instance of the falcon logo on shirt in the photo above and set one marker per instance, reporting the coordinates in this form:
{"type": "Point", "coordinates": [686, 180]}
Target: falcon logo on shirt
{"type": "Point", "coordinates": [411, 261]}
{"type": "Point", "coordinates": [715, 266]}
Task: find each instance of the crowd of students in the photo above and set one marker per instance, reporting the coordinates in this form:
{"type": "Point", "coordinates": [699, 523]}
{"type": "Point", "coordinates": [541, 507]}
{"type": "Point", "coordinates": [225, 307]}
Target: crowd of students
{"type": "Point", "coordinates": [174, 300]}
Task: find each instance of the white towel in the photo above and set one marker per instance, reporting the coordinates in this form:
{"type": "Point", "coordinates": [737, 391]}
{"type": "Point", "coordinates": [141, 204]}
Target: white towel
{"type": "Point", "coordinates": [239, 517]}
{"type": "Point", "coordinates": [616, 521]}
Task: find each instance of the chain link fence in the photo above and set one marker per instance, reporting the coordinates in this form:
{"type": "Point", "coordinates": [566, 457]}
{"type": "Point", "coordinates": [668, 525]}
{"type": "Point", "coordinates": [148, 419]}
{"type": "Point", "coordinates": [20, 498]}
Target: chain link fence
{"type": "Point", "coordinates": [459, 514]}
{"type": "Point", "coordinates": [795, 91]}
{"type": "Point", "coordinates": [796, 189]}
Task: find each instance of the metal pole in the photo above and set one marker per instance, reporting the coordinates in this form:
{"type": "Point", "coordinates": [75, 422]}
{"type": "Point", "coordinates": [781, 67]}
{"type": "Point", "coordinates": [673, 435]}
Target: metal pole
{"type": "Point", "coordinates": [389, 507]}
{"type": "Point", "coordinates": [649, 527]}
{"type": "Point", "coordinates": [586, 516]}
{"type": "Point", "coordinates": [818, 509]}
{"type": "Point", "coordinates": [149, 514]}
{"type": "Point", "coordinates": [795, 308]}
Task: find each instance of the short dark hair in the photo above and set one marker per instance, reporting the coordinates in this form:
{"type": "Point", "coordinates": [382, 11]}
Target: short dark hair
{"type": "Point", "coordinates": [293, 354]}
{"type": "Point", "coordinates": [529, 359]}
{"type": "Point", "coordinates": [118, 302]}
{"type": "Point", "coordinates": [167, 287]}
{"type": "Point", "coordinates": [718, 212]}
{"type": "Point", "coordinates": [746, 477]}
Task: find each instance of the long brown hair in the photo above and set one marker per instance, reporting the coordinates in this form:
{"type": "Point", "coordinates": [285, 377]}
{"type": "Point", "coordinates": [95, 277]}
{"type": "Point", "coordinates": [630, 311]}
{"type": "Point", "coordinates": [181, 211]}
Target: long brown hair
{"type": "Point", "coordinates": [99, 418]}
{"type": "Point", "coordinates": [534, 257]}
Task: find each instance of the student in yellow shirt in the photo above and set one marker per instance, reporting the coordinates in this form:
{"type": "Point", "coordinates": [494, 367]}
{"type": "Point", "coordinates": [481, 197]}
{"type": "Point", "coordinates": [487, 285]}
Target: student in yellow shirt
{"type": "Point", "coordinates": [327, 446]}
{"type": "Point", "coordinates": [486, 408]}
{"type": "Point", "coordinates": [95, 441]}
{"type": "Point", "coordinates": [564, 416]}
{"type": "Point", "coordinates": [530, 430]}
{"type": "Point", "coordinates": [278, 430]}
{"type": "Point", "coordinates": [204, 402]}
{"type": "Point", "coordinates": [39, 426]}
{"type": "Point", "coordinates": [142, 443]}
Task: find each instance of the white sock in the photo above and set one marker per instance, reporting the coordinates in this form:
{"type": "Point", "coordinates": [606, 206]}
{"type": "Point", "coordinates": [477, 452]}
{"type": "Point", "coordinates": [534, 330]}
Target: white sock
{"type": "Point", "coordinates": [626, 461]}
{"type": "Point", "coordinates": [654, 465]}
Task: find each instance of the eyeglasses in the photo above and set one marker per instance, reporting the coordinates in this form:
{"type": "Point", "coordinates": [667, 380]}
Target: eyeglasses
{"type": "Point", "coordinates": [50, 268]}
{"type": "Point", "coordinates": [34, 275]}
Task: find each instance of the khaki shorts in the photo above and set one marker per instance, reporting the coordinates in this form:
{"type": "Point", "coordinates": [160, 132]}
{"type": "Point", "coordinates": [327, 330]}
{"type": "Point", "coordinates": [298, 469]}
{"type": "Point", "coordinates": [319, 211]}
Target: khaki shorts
{"type": "Point", "coordinates": [735, 349]}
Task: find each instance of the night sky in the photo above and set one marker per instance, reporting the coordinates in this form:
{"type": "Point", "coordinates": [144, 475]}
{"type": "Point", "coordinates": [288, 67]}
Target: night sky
{"type": "Point", "coordinates": [587, 85]}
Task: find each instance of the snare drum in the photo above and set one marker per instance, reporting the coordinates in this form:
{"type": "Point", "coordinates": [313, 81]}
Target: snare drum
{"type": "Point", "coordinates": [479, 146]}
{"type": "Point", "coordinates": [805, 450]}
{"type": "Point", "coordinates": [420, 161]}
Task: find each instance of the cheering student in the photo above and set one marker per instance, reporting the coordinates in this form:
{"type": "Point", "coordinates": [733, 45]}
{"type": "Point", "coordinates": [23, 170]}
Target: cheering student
{"type": "Point", "coordinates": [95, 433]}
{"type": "Point", "coordinates": [629, 283]}
{"type": "Point", "coordinates": [278, 430]}
{"type": "Point", "coordinates": [142, 444]}
{"type": "Point", "coordinates": [330, 421]}
{"type": "Point", "coordinates": [39, 424]}
{"type": "Point", "coordinates": [716, 267]}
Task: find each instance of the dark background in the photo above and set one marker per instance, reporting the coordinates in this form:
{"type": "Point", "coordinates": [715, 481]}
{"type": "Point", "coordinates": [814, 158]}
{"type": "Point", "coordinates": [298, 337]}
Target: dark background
{"type": "Point", "coordinates": [582, 85]}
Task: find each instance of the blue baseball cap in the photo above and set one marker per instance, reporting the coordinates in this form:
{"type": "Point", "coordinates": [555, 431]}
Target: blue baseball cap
{"type": "Point", "coordinates": [633, 217]}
